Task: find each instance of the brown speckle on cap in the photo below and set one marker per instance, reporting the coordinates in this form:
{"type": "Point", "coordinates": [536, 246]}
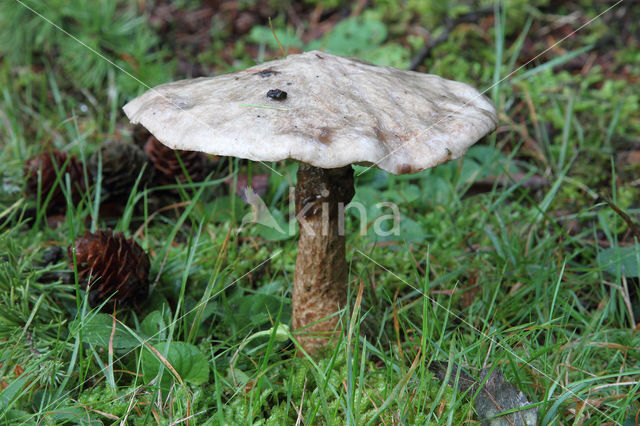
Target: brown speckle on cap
{"type": "Point", "coordinates": [382, 137]}
{"type": "Point", "coordinates": [405, 169]}
{"type": "Point", "coordinates": [325, 135]}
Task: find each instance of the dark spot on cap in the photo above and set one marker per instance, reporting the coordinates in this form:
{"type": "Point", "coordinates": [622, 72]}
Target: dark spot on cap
{"type": "Point", "coordinates": [277, 94]}
{"type": "Point", "coordinates": [325, 135]}
{"type": "Point", "coordinates": [237, 78]}
{"type": "Point", "coordinates": [289, 84]}
{"type": "Point", "coordinates": [406, 169]}
{"type": "Point", "coordinates": [267, 73]}
{"type": "Point", "coordinates": [318, 56]}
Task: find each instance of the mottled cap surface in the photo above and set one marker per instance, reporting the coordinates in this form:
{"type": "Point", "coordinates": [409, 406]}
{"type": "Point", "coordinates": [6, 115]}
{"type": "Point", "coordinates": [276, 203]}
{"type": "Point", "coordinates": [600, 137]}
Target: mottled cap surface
{"type": "Point", "coordinates": [325, 110]}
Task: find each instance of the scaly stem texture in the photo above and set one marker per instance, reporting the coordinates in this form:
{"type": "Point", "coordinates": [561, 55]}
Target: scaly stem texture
{"type": "Point", "coordinates": [321, 278]}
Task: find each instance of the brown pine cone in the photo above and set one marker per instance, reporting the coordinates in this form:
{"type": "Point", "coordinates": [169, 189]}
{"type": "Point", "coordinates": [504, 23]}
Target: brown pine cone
{"type": "Point", "coordinates": [168, 167]}
{"type": "Point", "coordinates": [121, 165]}
{"type": "Point", "coordinates": [50, 164]}
{"type": "Point", "coordinates": [112, 268]}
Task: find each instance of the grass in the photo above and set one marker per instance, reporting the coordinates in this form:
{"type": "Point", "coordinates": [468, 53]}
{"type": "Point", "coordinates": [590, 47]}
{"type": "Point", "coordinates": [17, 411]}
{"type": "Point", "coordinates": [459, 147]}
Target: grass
{"type": "Point", "coordinates": [498, 263]}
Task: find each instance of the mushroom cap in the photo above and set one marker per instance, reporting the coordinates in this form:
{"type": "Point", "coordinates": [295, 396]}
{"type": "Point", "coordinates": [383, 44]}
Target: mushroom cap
{"type": "Point", "coordinates": [336, 111]}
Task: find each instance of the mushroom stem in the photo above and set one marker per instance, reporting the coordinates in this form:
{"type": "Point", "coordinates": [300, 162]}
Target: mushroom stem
{"type": "Point", "coordinates": [321, 277]}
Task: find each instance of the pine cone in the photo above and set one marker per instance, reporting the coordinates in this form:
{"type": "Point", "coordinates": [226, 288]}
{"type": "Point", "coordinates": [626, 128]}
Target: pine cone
{"type": "Point", "coordinates": [50, 164]}
{"type": "Point", "coordinates": [121, 165]}
{"type": "Point", "coordinates": [112, 268]}
{"type": "Point", "coordinates": [168, 167]}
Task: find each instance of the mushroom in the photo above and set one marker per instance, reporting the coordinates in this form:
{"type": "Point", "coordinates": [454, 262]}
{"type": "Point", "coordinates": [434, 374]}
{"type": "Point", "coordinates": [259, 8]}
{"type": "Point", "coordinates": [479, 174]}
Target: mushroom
{"type": "Point", "coordinates": [327, 112]}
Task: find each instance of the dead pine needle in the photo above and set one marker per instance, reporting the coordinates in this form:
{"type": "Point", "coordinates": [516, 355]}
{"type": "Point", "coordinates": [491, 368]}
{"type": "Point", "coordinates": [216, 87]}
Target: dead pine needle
{"type": "Point", "coordinates": [276, 37]}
